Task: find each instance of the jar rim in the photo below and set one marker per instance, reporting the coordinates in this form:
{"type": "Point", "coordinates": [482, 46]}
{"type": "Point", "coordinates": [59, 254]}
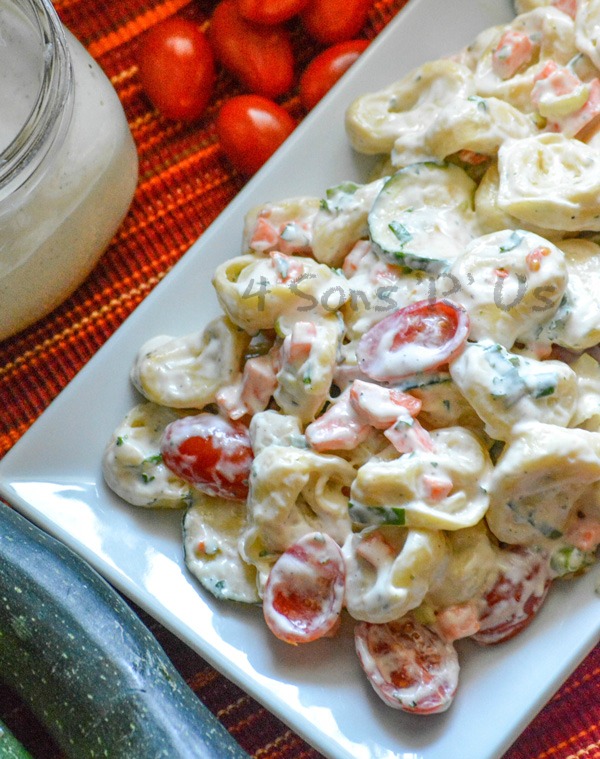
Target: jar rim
{"type": "Point", "coordinates": [20, 159]}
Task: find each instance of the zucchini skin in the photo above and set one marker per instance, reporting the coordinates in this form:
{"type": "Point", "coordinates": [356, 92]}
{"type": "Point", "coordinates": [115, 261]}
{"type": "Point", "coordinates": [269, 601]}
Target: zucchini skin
{"type": "Point", "coordinates": [10, 747]}
{"type": "Point", "coordinates": [86, 665]}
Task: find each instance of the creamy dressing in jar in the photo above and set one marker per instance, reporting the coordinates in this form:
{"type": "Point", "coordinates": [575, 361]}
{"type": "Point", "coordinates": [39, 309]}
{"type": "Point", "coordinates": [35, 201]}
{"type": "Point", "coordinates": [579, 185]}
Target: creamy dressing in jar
{"type": "Point", "coordinates": [68, 166]}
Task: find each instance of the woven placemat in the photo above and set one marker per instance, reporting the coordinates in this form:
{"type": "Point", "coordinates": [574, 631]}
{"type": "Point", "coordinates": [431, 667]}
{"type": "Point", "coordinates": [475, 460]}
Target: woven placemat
{"type": "Point", "coordinates": [185, 182]}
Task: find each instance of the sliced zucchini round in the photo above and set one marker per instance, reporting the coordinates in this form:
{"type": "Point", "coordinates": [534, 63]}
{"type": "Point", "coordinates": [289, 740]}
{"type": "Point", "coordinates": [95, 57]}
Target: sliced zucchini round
{"type": "Point", "coordinates": [423, 216]}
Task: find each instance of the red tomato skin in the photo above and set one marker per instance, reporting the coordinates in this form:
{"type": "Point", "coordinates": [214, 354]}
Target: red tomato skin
{"type": "Point", "coordinates": [261, 57]}
{"type": "Point", "coordinates": [210, 452]}
{"type": "Point", "coordinates": [331, 21]}
{"type": "Point", "coordinates": [177, 68]}
{"type": "Point", "coordinates": [304, 592]}
{"type": "Point", "coordinates": [270, 12]}
{"type": "Point", "coordinates": [409, 665]}
{"type": "Point", "coordinates": [326, 68]}
{"type": "Point", "coordinates": [250, 129]}
{"type": "Point", "coordinates": [515, 598]}
{"type": "Point", "coordinates": [440, 327]}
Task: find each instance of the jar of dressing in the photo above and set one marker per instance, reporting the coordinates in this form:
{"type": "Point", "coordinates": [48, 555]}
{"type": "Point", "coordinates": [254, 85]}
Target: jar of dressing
{"type": "Point", "coordinates": [68, 163]}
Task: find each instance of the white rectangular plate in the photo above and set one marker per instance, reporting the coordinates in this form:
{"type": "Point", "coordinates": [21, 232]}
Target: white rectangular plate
{"type": "Point", "coordinates": [53, 476]}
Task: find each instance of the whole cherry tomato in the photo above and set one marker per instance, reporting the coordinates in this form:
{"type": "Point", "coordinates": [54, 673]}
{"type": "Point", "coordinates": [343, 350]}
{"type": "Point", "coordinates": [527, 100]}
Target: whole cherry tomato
{"type": "Point", "coordinates": [304, 592]}
{"type": "Point", "coordinates": [250, 129]}
{"type": "Point", "coordinates": [261, 57]}
{"type": "Point", "coordinates": [409, 665]}
{"type": "Point", "coordinates": [211, 453]}
{"type": "Point", "coordinates": [331, 21]}
{"type": "Point", "coordinates": [326, 68]}
{"type": "Point", "coordinates": [416, 338]}
{"type": "Point", "coordinates": [516, 596]}
{"type": "Point", "coordinates": [270, 11]}
{"type": "Point", "coordinates": [177, 68]}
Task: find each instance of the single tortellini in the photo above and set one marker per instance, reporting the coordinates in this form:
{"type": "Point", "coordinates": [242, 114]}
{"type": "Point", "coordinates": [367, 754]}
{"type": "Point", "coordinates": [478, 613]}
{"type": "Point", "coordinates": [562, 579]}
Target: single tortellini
{"type": "Point", "coordinates": [491, 218]}
{"type": "Point", "coordinates": [402, 112]}
{"type": "Point", "coordinates": [256, 291]}
{"type": "Point", "coordinates": [389, 570]}
{"type": "Point", "coordinates": [211, 533]}
{"type": "Point", "coordinates": [505, 388]}
{"type": "Point", "coordinates": [476, 124]}
{"type": "Point", "coordinates": [342, 220]}
{"type": "Point", "coordinates": [294, 492]}
{"type": "Point", "coordinates": [132, 465]}
{"type": "Point", "coordinates": [187, 372]}
{"type": "Point", "coordinates": [440, 489]}
{"type": "Point", "coordinates": [551, 181]}
{"type": "Point", "coordinates": [576, 324]}
{"type": "Point", "coordinates": [307, 363]}
{"type": "Point", "coordinates": [511, 282]}
{"type": "Point", "coordinates": [547, 34]}
{"type": "Point", "coordinates": [286, 226]}
{"type": "Point", "coordinates": [539, 476]}
{"type": "Point", "coordinates": [469, 570]}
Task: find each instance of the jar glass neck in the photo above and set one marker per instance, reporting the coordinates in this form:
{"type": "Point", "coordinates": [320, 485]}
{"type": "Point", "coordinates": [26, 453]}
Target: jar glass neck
{"type": "Point", "coordinates": [50, 113]}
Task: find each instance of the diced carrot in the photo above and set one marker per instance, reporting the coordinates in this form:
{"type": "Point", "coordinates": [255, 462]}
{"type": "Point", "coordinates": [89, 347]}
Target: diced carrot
{"type": "Point", "coordinates": [436, 488]}
{"type": "Point", "coordinates": [258, 384]}
{"type": "Point", "coordinates": [381, 406]}
{"type": "Point", "coordinates": [301, 341]}
{"type": "Point", "coordinates": [409, 436]}
{"type": "Point", "coordinates": [458, 621]}
{"type": "Point", "coordinates": [339, 428]}
{"type": "Point", "coordinates": [265, 236]}
{"type": "Point", "coordinates": [514, 50]}
{"type": "Point", "coordinates": [375, 549]}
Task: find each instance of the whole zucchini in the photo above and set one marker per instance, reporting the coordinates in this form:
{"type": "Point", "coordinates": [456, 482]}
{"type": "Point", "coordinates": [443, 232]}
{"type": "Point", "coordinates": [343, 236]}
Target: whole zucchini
{"type": "Point", "coordinates": [10, 747]}
{"type": "Point", "coordinates": [84, 662]}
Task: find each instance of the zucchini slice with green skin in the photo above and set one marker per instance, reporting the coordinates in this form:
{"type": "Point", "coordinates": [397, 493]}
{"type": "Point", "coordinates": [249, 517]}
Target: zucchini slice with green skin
{"type": "Point", "coordinates": [423, 215]}
{"type": "Point", "coordinates": [86, 665]}
{"type": "Point", "coordinates": [10, 747]}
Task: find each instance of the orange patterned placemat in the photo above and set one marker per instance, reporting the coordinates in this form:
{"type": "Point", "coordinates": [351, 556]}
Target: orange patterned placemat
{"type": "Point", "coordinates": [185, 182]}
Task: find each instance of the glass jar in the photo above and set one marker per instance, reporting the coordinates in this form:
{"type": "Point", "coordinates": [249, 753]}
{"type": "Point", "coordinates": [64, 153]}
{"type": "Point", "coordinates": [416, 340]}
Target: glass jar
{"type": "Point", "coordinates": [68, 163]}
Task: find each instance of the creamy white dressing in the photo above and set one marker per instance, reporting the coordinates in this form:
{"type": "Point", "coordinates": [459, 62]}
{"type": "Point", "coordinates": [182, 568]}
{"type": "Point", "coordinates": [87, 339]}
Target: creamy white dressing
{"type": "Point", "coordinates": [53, 230]}
{"type": "Point", "coordinates": [20, 75]}
{"type": "Point", "coordinates": [423, 470]}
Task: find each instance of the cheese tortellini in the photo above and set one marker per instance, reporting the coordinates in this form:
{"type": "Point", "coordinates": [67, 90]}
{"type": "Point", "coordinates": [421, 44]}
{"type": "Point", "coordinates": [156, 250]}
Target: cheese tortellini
{"type": "Point", "coordinates": [443, 488]}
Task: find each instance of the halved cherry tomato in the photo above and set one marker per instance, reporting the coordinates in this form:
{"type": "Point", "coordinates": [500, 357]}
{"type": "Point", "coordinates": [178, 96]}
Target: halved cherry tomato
{"type": "Point", "coordinates": [261, 57]}
{"type": "Point", "coordinates": [177, 68]}
{"type": "Point", "coordinates": [304, 592]}
{"type": "Point", "coordinates": [326, 68]}
{"type": "Point", "coordinates": [409, 665]}
{"type": "Point", "coordinates": [516, 596]}
{"type": "Point", "coordinates": [250, 129]}
{"type": "Point", "coordinates": [413, 339]}
{"type": "Point", "coordinates": [211, 453]}
{"type": "Point", "coordinates": [331, 21]}
{"type": "Point", "coordinates": [270, 11]}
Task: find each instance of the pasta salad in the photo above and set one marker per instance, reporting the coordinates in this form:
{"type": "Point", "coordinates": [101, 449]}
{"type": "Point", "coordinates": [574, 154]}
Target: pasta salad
{"type": "Point", "coordinates": [396, 417]}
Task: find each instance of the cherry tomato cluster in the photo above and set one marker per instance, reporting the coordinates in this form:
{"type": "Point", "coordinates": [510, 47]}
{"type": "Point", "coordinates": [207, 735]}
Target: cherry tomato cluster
{"type": "Point", "coordinates": [178, 65]}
